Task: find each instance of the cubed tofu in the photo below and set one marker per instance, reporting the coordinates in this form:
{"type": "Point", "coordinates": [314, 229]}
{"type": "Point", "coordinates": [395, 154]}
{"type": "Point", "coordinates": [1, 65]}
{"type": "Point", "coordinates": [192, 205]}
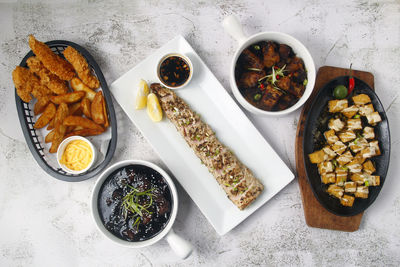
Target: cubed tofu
{"type": "Point", "coordinates": [345, 158]}
{"type": "Point", "coordinates": [347, 136]}
{"type": "Point", "coordinates": [361, 99]}
{"type": "Point", "coordinates": [350, 187]}
{"type": "Point", "coordinates": [335, 190]}
{"type": "Point", "coordinates": [359, 157]}
{"type": "Point", "coordinates": [354, 166]}
{"type": "Point", "coordinates": [369, 167]}
{"type": "Point", "coordinates": [338, 147]}
{"type": "Point", "coordinates": [354, 124]}
{"type": "Point", "coordinates": [371, 180]}
{"type": "Point", "coordinates": [336, 125]}
{"type": "Point", "coordinates": [329, 152]}
{"type": "Point", "coordinates": [361, 192]}
{"type": "Point", "coordinates": [374, 118]}
{"type": "Point", "coordinates": [341, 175]}
{"type": "Point", "coordinates": [331, 137]}
{"type": "Point", "coordinates": [325, 167]}
{"type": "Point", "coordinates": [368, 152]}
{"type": "Point", "coordinates": [350, 111]}
{"type": "Point", "coordinates": [358, 144]}
{"type": "Point", "coordinates": [317, 156]}
{"type": "Point", "coordinates": [328, 178]}
{"type": "Point", "coordinates": [366, 109]}
{"type": "Point", "coordinates": [358, 178]}
{"type": "Point", "coordinates": [368, 133]}
{"type": "Point", "coordinates": [347, 201]}
{"type": "Point", "coordinates": [337, 105]}
{"type": "Point", "coordinates": [375, 144]}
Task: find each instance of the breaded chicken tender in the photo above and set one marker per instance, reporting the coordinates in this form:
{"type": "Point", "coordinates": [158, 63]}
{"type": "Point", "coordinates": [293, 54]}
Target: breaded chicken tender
{"type": "Point", "coordinates": [27, 83]}
{"type": "Point", "coordinates": [55, 84]}
{"type": "Point", "coordinates": [55, 64]}
{"type": "Point", "coordinates": [81, 66]}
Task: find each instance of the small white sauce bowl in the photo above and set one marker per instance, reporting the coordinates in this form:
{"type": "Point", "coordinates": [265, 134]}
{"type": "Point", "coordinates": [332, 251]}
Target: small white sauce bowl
{"type": "Point", "coordinates": [61, 149]}
{"type": "Point", "coordinates": [186, 59]}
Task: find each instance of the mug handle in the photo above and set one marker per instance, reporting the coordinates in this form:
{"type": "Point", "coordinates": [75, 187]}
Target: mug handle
{"type": "Point", "coordinates": [232, 25]}
{"type": "Point", "coordinates": [179, 245]}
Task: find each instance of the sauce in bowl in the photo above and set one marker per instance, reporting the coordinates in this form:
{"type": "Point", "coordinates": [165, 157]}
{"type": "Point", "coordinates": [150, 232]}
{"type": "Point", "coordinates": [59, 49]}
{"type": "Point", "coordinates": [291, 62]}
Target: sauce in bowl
{"type": "Point", "coordinates": [174, 71]}
{"type": "Point", "coordinates": [135, 203]}
{"type": "Point", "coordinates": [77, 155]}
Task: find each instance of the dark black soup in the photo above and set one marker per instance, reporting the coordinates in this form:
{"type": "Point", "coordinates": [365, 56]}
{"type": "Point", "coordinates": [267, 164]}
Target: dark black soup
{"type": "Point", "coordinates": [135, 203]}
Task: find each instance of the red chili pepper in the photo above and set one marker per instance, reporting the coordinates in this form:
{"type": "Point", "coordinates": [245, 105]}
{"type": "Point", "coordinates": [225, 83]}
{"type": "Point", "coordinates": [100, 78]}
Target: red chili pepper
{"type": "Point", "coordinates": [275, 67]}
{"type": "Point", "coordinates": [262, 86]}
{"type": "Point", "coordinates": [278, 77]}
{"type": "Point", "coordinates": [351, 80]}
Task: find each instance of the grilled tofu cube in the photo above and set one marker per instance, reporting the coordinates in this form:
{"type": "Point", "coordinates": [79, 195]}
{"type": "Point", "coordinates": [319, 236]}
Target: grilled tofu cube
{"type": "Point", "coordinates": [331, 137]}
{"type": "Point", "coordinates": [358, 144]}
{"type": "Point", "coordinates": [328, 178]}
{"type": "Point", "coordinates": [366, 109]}
{"type": "Point", "coordinates": [361, 99]}
{"type": "Point", "coordinates": [368, 133]}
{"type": "Point", "coordinates": [354, 124]}
{"type": "Point", "coordinates": [317, 156]}
{"type": "Point", "coordinates": [337, 105]}
{"type": "Point", "coordinates": [325, 167]}
{"type": "Point", "coordinates": [341, 176]}
{"type": "Point", "coordinates": [359, 157]}
{"type": "Point", "coordinates": [336, 125]}
{"type": "Point", "coordinates": [369, 167]}
{"type": "Point", "coordinates": [350, 111]}
{"type": "Point", "coordinates": [375, 144]}
{"type": "Point", "coordinates": [371, 180]}
{"type": "Point", "coordinates": [335, 191]}
{"type": "Point", "coordinates": [354, 166]}
{"type": "Point", "coordinates": [374, 118]}
{"type": "Point", "coordinates": [358, 178]}
{"type": "Point", "coordinates": [350, 187]}
{"type": "Point", "coordinates": [347, 136]}
{"type": "Point", "coordinates": [329, 152]}
{"type": "Point", "coordinates": [362, 192]}
{"type": "Point", "coordinates": [347, 201]}
{"type": "Point", "coordinates": [338, 147]}
{"type": "Point", "coordinates": [368, 152]}
{"type": "Point", "coordinates": [345, 158]}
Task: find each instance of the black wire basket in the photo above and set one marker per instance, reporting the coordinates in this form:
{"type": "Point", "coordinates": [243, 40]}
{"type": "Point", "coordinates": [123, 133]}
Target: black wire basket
{"type": "Point", "coordinates": [35, 140]}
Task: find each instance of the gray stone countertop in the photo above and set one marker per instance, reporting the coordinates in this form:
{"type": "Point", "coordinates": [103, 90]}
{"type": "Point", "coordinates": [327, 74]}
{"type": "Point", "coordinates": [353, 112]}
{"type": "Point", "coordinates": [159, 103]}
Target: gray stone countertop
{"type": "Point", "coordinates": [46, 222]}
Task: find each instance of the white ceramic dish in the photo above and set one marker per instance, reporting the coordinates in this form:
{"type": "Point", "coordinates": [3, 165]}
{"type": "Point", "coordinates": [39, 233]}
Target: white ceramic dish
{"type": "Point", "coordinates": [181, 247]}
{"type": "Point", "coordinates": [233, 27]}
{"type": "Point", "coordinates": [208, 98]}
{"type": "Point", "coordinates": [186, 59]}
{"type": "Point", "coordinates": [62, 147]}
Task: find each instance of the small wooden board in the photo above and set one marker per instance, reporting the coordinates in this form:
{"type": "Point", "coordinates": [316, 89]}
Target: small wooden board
{"type": "Point", "coordinates": [315, 214]}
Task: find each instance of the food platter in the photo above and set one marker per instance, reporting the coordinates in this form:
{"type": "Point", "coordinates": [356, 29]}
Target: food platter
{"type": "Point", "coordinates": [207, 96]}
{"type": "Point", "coordinates": [381, 162]}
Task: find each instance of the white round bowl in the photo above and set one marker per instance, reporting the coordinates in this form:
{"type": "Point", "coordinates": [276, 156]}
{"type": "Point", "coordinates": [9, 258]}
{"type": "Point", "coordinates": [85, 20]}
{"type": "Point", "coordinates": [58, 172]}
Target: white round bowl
{"type": "Point", "coordinates": [62, 147]}
{"type": "Point", "coordinates": [181, 247]}
{"type": "Point", "coordinates": [185, 58]}
{"type": "Point", "coordinates": [234, 28]}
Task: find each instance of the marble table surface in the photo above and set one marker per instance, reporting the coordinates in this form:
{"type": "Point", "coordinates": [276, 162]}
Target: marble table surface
{"type": "Point", "coordinates": [46, 222]}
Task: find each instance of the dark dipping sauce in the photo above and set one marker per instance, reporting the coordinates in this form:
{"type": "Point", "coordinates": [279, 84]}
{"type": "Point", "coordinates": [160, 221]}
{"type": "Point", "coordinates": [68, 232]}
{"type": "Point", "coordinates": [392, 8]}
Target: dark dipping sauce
{"type": "Point", "coordinates": [148, 189]}
{"type": "Point", "coordinates": [174, 71]}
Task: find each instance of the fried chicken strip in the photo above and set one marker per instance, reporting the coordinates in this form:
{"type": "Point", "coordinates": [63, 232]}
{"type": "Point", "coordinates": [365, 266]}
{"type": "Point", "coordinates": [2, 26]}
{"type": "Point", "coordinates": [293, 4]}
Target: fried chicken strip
{"type": "Point", "coordinates": [81, 67]}
{"type": "Point", "coordinates": [55, 64]}
{"type": "Point", "coordinates": [27, 83]}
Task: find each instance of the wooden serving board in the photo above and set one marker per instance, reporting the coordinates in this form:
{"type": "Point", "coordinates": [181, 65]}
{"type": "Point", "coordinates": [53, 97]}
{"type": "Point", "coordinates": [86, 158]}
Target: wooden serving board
{"type": "Point", "coordinates": [315, 214]}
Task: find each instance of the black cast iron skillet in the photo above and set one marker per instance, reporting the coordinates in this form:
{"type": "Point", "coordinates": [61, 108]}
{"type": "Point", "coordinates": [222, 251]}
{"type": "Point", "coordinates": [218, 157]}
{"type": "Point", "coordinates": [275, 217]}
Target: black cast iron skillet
{"type": "Point", "coordinates": [313, 132]}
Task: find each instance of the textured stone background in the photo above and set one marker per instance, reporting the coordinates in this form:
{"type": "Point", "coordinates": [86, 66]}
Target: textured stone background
{"type": "Point", "coordinates": [45, 222]}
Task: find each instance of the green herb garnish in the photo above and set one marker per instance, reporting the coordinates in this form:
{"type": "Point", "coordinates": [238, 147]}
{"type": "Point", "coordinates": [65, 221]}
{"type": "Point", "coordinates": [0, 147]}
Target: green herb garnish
{"type": "Point", "coordinates": [257, 97]}
{"type": "Point", "coordinates": [130, 203]}
{"type": "Point", "coordinates": [256, 47]}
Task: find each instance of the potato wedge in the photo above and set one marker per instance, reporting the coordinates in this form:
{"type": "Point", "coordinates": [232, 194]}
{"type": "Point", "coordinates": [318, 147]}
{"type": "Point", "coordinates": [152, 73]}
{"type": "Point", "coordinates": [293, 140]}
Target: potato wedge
{"type": "Point", "coordinates": [97, 108]}
{"type": "Point", "coordinates": [75, 109]}
{"type": "Point", "coordinates": [85, 106]}
{"type": "Point", "coordinates": [49, 137]}
{"type": "Point", "coordinates": [67, 98]}
{"type": "Point", "coordinates": [51, 125]}
{"type": "Point", "coordinates": [79, 86]}
{"type": "Point", "coordinates": [46, 117]}
{"type": "Point", "coordinates": [40, 105]}
{"type": "Point", "coordinates": [61, 114]}
{"type": "Point", "coordinates": [83, 122]}
{"type": "Point", "coordinates": [84, 132]}
{"type": "Point", "coordinates": [106, 121]}
{"type": "Point", "coordinates": [59, 133]}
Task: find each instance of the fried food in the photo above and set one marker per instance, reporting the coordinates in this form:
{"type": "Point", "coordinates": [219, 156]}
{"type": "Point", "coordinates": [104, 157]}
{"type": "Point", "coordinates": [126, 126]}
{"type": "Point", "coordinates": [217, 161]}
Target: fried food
{"type": "Point", "coordinates": [55, 64]}
{"type": "Point", "coordinates": [78, 85]}
{"type": "Point", "coordinates": [83, 122]}
{"type": "Point", "coordinates": [67, 98]}
{"type": "Point", "coordinates": [61, 114]}
{"type": "Point", "coordinates": [75, 109]}
{"type": "Point", "coordinates": [81, 67]}
{"type": "Point", "coordinates": [55, 84]}
{"type": "Point", "coordinates": [97, 108]}
{"type": "Point", "coordinates": [84, 132]}
{"type": "Point", "coordinates": [41, 104]}
{"type": "Point", "coordinates": [46, 117]}
{"type": "Point", "coordinates": [49, 137]}
{"type": "Point", "coordinates": [21, 77]}
{"type": "Point", "coordinates": [106, 121]}
{"type": "Point", "coordinates": [59, 133]}
{"type": "Point", "coordinates": [85, 106]}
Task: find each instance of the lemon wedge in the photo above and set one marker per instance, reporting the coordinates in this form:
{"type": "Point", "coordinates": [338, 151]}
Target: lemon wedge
{"type": "Point", "coordinates": [141, 96]}
{"type": "Point", "coordinates": [153, 108]}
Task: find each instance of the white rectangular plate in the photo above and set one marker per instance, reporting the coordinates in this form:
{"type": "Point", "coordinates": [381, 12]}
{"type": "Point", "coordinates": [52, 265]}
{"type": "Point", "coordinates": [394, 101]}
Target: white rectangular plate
{"type": "Point", "coordinates": [207, 97]}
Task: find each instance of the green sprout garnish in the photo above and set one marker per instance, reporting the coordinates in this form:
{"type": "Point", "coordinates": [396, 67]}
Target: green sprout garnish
{"type": "Point", "coordinates": [271, 78]}
{"type": "Point", "coordinates": [254, 69]}
{"type": "Point", "coordinates": [130, 203]}
{"type": "Point", "coordinates": [256, 47]}
{"type": "Point", "coordinates": [305, 82]}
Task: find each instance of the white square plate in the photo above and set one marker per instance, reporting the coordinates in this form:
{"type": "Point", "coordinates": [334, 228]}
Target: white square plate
{"type": "Point", "coordinates": [208, 98]}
